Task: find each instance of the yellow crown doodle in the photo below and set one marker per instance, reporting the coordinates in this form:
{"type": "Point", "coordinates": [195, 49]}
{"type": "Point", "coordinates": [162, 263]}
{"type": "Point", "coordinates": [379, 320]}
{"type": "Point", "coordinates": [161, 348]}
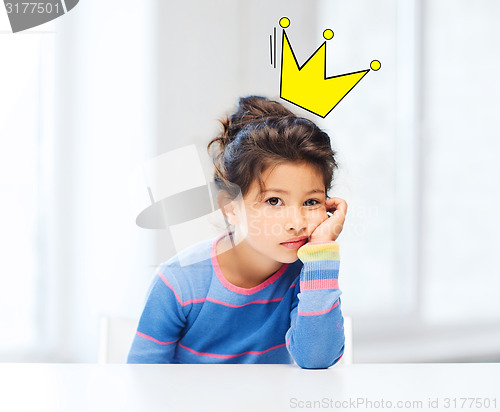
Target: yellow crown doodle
{"type": "Point", "coordinates": [307, 86]}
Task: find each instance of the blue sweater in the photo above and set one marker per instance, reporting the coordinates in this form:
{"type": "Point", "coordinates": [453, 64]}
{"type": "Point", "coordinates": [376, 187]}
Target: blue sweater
{"type": "Point", "coordinates": [194, 315]}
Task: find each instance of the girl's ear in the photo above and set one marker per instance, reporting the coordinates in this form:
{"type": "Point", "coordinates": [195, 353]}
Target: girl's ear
{"type": "Point", "coordinates": [228, 207]}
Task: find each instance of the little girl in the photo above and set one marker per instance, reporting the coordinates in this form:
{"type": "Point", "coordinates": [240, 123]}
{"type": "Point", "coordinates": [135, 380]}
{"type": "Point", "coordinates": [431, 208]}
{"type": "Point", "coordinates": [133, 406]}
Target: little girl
{"type": "Point", "coordinates": [266, 291]}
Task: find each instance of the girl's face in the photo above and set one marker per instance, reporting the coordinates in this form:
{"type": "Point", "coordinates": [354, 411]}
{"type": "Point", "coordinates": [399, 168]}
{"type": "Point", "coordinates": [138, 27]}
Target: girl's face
{"type": "Point", "coordinates": [278, 221]}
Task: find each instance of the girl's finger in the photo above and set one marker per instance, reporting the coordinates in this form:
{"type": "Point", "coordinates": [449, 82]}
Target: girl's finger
{"type": "Point", "coordinates": [336, 204]}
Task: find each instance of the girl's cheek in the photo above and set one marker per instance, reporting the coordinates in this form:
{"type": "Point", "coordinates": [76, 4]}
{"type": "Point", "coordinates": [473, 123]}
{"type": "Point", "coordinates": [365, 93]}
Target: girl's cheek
{"type": "Point", "coordinates": [257, 213]}
{"type": "Point", "coordinates": [319, 213]}
{"type": "Point", "coordinates": [255, 228]}
{"type": "Point", "coordinates": [318, 217]}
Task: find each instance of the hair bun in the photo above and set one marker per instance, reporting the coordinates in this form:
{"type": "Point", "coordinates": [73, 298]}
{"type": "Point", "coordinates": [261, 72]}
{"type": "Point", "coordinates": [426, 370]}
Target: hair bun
{"type": "Point", "coordinates": [251, 109]}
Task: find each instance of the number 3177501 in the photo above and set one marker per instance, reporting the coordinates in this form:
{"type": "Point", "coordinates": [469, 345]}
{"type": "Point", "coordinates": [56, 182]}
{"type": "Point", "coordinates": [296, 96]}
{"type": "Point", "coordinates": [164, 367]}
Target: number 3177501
{"type": "Point", "coordinates": [32, 8]}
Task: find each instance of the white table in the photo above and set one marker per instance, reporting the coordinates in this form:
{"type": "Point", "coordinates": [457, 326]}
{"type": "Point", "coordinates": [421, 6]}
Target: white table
{"type": "Point", "coordinates": [235, 388]}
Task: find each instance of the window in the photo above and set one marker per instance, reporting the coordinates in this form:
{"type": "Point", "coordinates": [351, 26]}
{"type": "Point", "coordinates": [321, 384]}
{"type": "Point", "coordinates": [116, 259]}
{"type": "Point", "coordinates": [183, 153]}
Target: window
{"type": "Point", "coordinates": [418, 146]}
{"type": "Point", "coordinates": [26, 120]}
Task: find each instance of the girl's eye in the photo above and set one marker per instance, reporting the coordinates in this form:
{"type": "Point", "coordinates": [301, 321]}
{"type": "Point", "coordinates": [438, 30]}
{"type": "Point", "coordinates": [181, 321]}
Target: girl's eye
{"type": "Point", "coordinates": [276, 201]}
{"type": "Point", "coordinates": [273, 201]}
{"type": "Point", "coordinates": [311, 204]}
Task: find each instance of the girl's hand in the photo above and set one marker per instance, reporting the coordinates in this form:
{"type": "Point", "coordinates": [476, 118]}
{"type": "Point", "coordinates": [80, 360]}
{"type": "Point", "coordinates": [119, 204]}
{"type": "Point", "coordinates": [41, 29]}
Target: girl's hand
{"type": "Point", "coordinates": [331, 227]}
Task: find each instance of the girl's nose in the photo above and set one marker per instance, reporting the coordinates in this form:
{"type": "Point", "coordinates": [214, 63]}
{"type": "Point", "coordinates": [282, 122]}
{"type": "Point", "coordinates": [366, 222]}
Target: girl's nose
{"type": "Point", "coordinates": [296, 220]}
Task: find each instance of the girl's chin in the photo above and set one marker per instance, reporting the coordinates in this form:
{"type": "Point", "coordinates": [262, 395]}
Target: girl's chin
{"type": "Point", "coordinates": [289, 257]}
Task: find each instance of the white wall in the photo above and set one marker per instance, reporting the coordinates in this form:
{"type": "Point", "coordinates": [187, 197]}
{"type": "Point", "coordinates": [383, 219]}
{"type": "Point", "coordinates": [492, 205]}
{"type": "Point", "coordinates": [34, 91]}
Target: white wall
{"type": "Point", "coordinates": [105, 127]}
{"type": "Point", "coordinates": [461, 148]}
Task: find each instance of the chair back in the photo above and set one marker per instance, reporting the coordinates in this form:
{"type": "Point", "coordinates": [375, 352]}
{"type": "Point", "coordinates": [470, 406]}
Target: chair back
{"type": "Point", "coordinates": [347, 356]}
{"type": "Point", "coordinates": [115, 338]}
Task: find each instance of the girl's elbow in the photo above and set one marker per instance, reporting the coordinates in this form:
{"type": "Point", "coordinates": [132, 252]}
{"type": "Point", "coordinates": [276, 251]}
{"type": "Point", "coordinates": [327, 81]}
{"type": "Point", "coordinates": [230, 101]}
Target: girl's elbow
{"type": "Point", "coordinates": [319, 362]}
{"type": "Point", "coordinates": [315, 365]}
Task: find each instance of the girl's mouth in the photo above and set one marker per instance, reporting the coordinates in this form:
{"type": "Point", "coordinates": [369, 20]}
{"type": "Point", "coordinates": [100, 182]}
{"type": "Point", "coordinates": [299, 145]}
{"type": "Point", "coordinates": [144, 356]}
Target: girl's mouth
{"type": "Point", "coordinates": [295, 244]}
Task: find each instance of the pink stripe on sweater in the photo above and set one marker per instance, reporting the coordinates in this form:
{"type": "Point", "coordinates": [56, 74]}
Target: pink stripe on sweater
{"type": "Point", "coordinates": [245, 304]}
{"type": "Point", "coordinates": [220, 302]}
{"type": "Point", "coordinates": [143, 335]}
{"type": "Point", "coordinates": [319, 312]}
{"type": "Point", "coordinates": [187, 302]}
{"type": "Point", "coordinates": [319, 284]}
{"type": "Point", "coordinates": [170, 286]}
{"type": "Point", "coordinates": [216, 355]}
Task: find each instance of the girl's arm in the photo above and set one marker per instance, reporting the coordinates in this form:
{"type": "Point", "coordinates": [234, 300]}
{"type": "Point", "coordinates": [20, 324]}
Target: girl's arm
{"type": "Point", "coordinates": [316, 335]}
{"type": "Point", "coordinates": [160, 325]}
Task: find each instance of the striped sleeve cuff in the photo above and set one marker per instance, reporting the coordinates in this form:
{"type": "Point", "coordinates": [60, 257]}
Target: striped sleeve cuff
{"type": "Point", "coordinates": [311, 252]}
{"type": "Point", "coordinates": [321, 265]}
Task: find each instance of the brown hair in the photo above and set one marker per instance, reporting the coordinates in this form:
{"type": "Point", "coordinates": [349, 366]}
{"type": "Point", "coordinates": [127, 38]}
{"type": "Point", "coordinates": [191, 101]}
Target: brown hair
{"type": "Point", "coordinates": [262, 133]}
